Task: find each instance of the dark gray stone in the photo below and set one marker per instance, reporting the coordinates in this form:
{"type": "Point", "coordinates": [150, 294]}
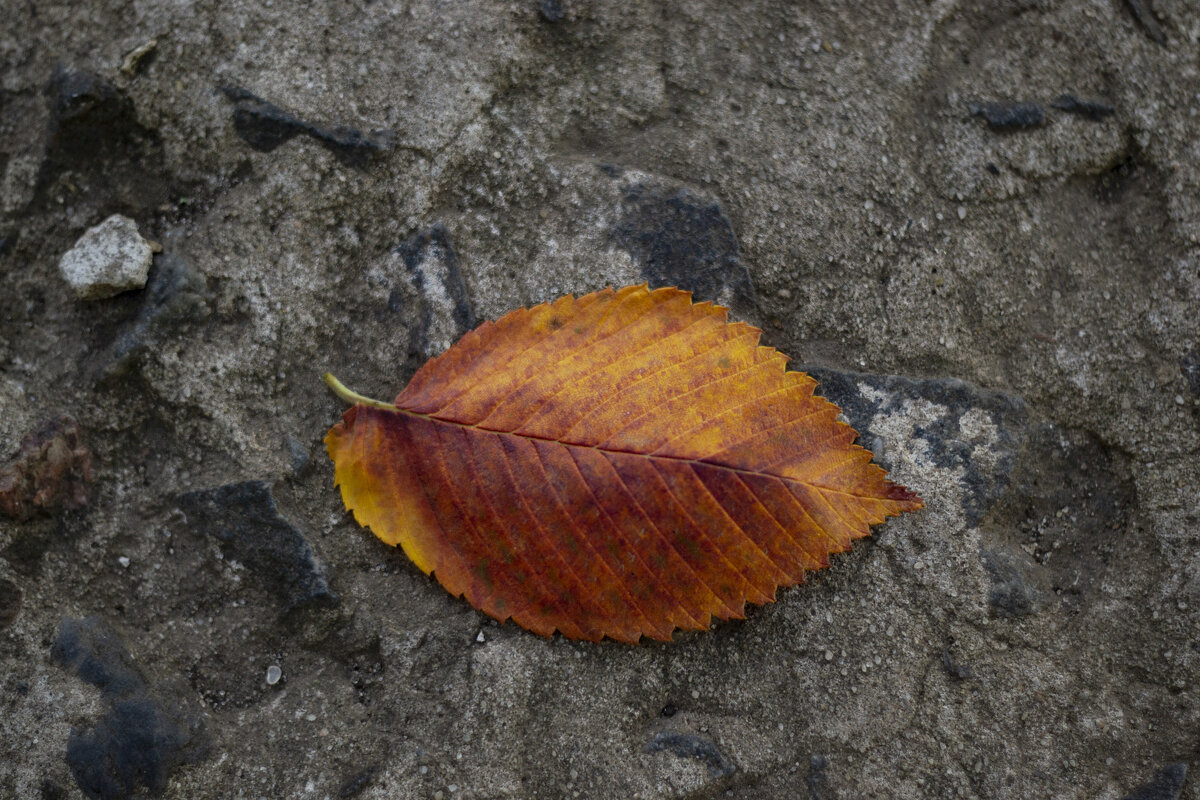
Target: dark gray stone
{"type": "Point", "coordinates": [1009, 116]}
{"type": "Point", "coordinates": [142, 738]}
{"type": "Point", "coordinates": [10, 603]}
{"type": "Point", "coordinates": [264, 126]}
{"type": "Point", "coordinates": [175, 297]}
{"type": "Point", "coordinates": [91, 650]}
{"type": "Point", "coordinates": [1068, 504]}
{"type": "Point", "coordinates": [298, 456]}
{"type": "Point", "coordinates": [960, 672]}
{"type": "Point", "coordinates": [88, 116]}
{"type": "Point", "coordinates": [1090, 109]}
{"type": "Point", "coordinates": [94, 136]}
{"type": "Point", "coordinates": [1166, 785]}
{"type": "Point", "coordinates": [682, 239]}
{"type": "Point", "coordinates": [1189, 365]}
{"type": "Point", "coordinates": [552, 10]}
{"type": "Point", "coordinates": [434, 295]}
{"type": "Point", "coordinates": [1143, 12]}
{"type": "Point", "coordinates": [244, 518]}
{"type": "Point", "coordinates": [1013, 592]}
{"type": "Point", "coordinates": [356, 784]}
{"type": "Point", "coordinates": [817, 778]}
{"type": "Point", "coordinates": [689, 745]}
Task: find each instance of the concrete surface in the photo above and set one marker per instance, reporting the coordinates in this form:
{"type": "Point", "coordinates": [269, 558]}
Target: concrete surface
{"type": "Point", "coordinates": [1004, 301]}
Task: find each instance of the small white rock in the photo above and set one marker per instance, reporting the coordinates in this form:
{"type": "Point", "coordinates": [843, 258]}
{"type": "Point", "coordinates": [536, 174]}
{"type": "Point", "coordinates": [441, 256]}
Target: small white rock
{"type": "Point", "coordinates": [108, 259]}
{"type": "Point", "coordinates": [274, 673]}
{"type": "Point", "coordinates": [480, 638]}
{"type": "Point", "coordinates": [123, 561]}
{"type": "Point", "coordinates": [962, 212]}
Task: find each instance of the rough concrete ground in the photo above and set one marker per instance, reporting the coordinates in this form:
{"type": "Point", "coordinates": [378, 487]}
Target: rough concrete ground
{"type": "Point", "coordinates": [1004, 298]}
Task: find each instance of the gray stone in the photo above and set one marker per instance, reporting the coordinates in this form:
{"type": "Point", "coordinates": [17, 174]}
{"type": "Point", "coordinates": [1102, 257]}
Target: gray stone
{"type": "Point", "coordinates": [108, 259]}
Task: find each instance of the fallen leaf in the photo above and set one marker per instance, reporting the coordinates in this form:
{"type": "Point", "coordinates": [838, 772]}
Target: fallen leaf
{"type": "Point", "coordinates": [619, 464]}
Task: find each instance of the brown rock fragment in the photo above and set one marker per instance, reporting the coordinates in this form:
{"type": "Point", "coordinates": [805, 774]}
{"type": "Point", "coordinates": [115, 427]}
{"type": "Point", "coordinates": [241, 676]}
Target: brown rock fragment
{"type": "Point", "coordinates": [51, 471]}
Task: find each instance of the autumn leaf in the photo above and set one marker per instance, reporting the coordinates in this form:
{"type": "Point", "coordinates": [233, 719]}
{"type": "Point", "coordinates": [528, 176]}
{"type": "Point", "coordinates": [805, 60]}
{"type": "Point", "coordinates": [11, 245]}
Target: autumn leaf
{"type": "Point", "coordinates": [619, 464]}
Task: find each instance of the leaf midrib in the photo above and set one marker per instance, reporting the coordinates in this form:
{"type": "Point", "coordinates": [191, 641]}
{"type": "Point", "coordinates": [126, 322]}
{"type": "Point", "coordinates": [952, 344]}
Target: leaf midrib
{"type": "Point", "coordinates": [600, 449]}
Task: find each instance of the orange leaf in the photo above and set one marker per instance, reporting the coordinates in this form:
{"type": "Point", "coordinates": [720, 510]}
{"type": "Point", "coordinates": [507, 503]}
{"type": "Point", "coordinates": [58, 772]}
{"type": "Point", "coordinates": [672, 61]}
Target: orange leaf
{"type": "Point", "coordinates": [619, 464]}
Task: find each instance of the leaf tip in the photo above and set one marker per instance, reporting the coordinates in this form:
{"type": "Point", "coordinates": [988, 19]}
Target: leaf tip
{"type": "Point", "coordinates": [902, 494]}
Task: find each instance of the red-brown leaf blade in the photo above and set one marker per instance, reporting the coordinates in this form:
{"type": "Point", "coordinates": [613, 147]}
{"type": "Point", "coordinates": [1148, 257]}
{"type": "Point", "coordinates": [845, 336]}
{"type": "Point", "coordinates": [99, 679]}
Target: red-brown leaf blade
{"type": "Point", "coordinates": [620, 464]}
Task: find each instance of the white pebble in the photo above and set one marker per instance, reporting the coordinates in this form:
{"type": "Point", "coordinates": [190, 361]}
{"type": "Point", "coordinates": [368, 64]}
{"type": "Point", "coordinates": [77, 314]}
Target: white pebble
{"type": "Point", "coordinates": [123, 561]}
{"type": "Point", "coordinates": [108, 259]}
{"type": "Point", "coordinates": [962, 212]}
{"type": "Point", "coordinates": [274, 673]}
{"type": "Point", "coordinates": [479, 637]}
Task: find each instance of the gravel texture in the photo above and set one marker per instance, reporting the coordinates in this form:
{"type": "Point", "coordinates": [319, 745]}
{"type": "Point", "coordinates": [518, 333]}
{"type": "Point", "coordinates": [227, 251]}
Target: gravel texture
{"type": "Point", "coordinates": [978, 224]}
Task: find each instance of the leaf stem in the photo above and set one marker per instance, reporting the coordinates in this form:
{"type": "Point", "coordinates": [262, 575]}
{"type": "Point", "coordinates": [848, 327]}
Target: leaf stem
{"type": "Point", "coordinates": [353, 398]}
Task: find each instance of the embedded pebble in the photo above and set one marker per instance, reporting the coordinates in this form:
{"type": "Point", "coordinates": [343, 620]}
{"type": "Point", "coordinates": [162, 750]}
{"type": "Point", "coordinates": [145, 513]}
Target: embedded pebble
{"type": "Point", "coordinates": [1009, 116]}
{"type": "Point", "coordinates": [108, 259]}
{"type": "Point", "coordinates": [274, 673]}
